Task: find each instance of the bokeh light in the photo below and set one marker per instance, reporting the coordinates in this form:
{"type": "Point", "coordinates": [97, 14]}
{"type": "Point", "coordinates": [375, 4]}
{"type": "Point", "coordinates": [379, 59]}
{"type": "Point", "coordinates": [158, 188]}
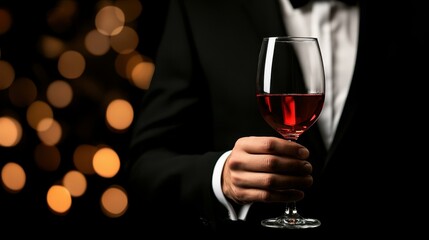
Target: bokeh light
{"type": "Point", "coordinates": [71, 64]}
{"type": "Point", "coordinates": [142, 73]}
{"type": "Point", "coordinates": [110, 20]}
{"type": "Point", "coordinates": [5, 21]}
{"type": "Point", "coordinates": [131, 8]}
{"type": "Point", "coordinates": [51, 47]}
{"type": "Point", "coordinates": [62, 15]}
{"type": "Point", "coordinates": [124, 63]}
{"type": "Point", "coordinates": [97, 43]}
{"type": "Point", "coordinates": [126, 41]}
{"type": "Point", "coordinates": [70, 73]}
{"type": "Point", "coordinates": [114, 201]}
{"type": "Point", "coordinates": [59, 93]}
{"type": "Point", "coordinates": [37, 111]}
{"type": "Point", "coordinates": [49, 131]}
{"type": "Point", "coordinates": [119, 114]}
{"type": "Point", "coordinates": [7, 74]}
{"type": "Point", "coordinates": [75, 182]}
{"type": "Point", "coordinates": [106, 162]}
{"type": "Point", "coordinates": [59, 199]}
{"type": "Point", "coordinates": [10, 132]}
{"type": "Point", "coordinates": [13, 177]}
{"type": "Point", "coordinates": [82, 158]}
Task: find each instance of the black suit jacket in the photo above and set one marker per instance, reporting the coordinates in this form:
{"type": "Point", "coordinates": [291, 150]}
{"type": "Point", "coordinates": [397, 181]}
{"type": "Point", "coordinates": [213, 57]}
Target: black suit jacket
{"type": "Point", "coordinates": [202, 99]}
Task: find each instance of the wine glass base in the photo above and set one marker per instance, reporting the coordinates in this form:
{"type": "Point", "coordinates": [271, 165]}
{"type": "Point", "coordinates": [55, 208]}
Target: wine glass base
{"type": "Point", "coordinates": [290, 223]}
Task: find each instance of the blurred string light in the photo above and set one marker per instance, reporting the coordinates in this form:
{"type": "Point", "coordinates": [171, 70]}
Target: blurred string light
{"type": "Point", "coordinates": [59, 93]}
{"type": "Point", "coordinates": [7, 74]}
{"type": "Point", "coordinates": [113, 32]}
{"type": "Point", "coordinates": [106, 162]}
{"type": "Point", "coordinates": [59, 199]}
{"type": "Point", "coordinates": [71, 64]}
{"type": "Point", "coordinates": [13, 177]}
{"type": "Point", "coordinates": [114, 201]}
{"type": "Point", "coordinates": [82, 158]}
{"type": "Point", "coordinates": [10, 132]}
{"type": "Point", "coordinates": [5, 21]}
{"type": "Point", "coordinates": [75, 182]}
{"type": "Point", "coordinates": [110, 20]}
{"type": "Point", "coordinates": [119, 114]}
{"type": "Point", "coordinates": [96, 43]}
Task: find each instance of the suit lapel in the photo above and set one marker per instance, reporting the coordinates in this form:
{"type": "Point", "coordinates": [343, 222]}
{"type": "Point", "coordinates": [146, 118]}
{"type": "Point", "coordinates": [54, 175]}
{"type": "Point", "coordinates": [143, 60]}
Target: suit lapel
{"type": "Point", "coordinates": [352, 100]}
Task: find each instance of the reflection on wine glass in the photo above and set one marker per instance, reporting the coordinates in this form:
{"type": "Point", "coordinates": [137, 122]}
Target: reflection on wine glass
{"type": "Point", "coordinates": [290, 96]}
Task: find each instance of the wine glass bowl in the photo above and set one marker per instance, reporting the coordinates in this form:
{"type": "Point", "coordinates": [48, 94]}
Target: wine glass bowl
{"type": "Point", "coordinates": [290, 93]}
{"type": "Point", "coordinates": [290, 114]}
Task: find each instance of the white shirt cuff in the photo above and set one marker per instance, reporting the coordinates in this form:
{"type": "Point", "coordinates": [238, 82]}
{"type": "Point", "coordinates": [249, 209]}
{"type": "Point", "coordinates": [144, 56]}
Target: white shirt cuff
{"type": "Point", "coordinates": [217, 189]}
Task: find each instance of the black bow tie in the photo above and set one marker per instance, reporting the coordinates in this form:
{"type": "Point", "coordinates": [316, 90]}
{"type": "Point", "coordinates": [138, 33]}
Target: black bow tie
{"type": "Point", "coordinates": [301, 3]}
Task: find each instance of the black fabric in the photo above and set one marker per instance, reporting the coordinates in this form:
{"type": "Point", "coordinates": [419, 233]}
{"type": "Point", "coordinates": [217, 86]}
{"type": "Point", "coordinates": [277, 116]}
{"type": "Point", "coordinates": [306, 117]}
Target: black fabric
{"type": "Point", "coordinates": [301, 3]}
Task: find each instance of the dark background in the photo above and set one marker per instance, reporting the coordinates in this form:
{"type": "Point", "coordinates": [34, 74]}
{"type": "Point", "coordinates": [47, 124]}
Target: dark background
{"type": "Point", "coordinates": [19, 47]}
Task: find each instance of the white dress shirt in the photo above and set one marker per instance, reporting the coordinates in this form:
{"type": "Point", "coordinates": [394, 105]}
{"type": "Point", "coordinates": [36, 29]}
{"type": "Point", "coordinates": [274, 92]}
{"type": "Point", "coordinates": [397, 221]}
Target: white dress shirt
{"type": "Point", "coordinates": [336, 27]}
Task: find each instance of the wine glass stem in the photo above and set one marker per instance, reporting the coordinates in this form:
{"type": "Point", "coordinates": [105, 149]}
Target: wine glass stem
{"type": "Point", "coordinates": [291, 209]}
{"type": "Point", "coordinates": [292, 213]}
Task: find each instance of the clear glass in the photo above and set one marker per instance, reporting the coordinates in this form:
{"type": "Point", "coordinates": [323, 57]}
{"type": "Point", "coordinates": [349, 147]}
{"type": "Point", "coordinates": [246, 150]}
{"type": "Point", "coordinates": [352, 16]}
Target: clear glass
{"type": "Point", "coordinates": [290, 91]}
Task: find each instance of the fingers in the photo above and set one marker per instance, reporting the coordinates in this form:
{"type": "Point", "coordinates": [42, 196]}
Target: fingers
{"type": "Point", "coordinates": [272, 145]}
{"type": "Point", "coordinates": [266, 169]}
{"type": "Point", "coordinates": [269, 154]}
{"type": "Point", "coordinates": [270, 164]}
{"type": "Point", "coordinates": [270, 182]}
{"type": "Point", "coordinates": [243, 196]}
{"type": "Point", "coordinates": [245, 187]}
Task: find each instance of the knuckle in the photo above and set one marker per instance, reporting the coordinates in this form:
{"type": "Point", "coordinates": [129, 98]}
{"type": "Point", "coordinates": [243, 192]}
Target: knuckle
{"type": "Point", "coordinates": [268, 145]}
{"type": "Point", "coordinates": [268, 181]}
{"type": "Point", "coordinates": [271, 163]}
{"type": "Point", "coordinates": [264, 196]}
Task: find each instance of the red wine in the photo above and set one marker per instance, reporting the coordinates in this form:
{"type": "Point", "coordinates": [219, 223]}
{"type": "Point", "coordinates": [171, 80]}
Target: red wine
{"type": "Point", "coordinates": [290, 114]}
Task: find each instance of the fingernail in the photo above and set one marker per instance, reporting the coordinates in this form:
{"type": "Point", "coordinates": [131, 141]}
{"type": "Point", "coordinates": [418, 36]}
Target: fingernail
{"type": "Point", "coordinates": [308, 166]}
{"type": "Point", "coordinates": [303, 153]}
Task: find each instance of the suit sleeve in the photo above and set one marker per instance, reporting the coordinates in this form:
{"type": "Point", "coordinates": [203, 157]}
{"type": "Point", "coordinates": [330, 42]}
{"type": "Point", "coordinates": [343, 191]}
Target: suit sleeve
{"type": "Point", "coordinates": [170, 166]}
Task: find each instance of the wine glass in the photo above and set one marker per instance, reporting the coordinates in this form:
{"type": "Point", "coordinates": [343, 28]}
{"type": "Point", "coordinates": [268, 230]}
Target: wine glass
{"type": "Point", "coordinates": [290, 96]}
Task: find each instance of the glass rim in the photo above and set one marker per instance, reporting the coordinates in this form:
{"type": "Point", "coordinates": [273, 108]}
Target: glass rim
{"type": "Point", "coordinates": [291, 38]}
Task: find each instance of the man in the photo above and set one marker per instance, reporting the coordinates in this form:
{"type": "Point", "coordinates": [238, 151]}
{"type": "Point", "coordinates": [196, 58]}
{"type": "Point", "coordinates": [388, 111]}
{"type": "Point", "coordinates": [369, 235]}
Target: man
{"type": "Point", "coordinates": [196, 162]}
